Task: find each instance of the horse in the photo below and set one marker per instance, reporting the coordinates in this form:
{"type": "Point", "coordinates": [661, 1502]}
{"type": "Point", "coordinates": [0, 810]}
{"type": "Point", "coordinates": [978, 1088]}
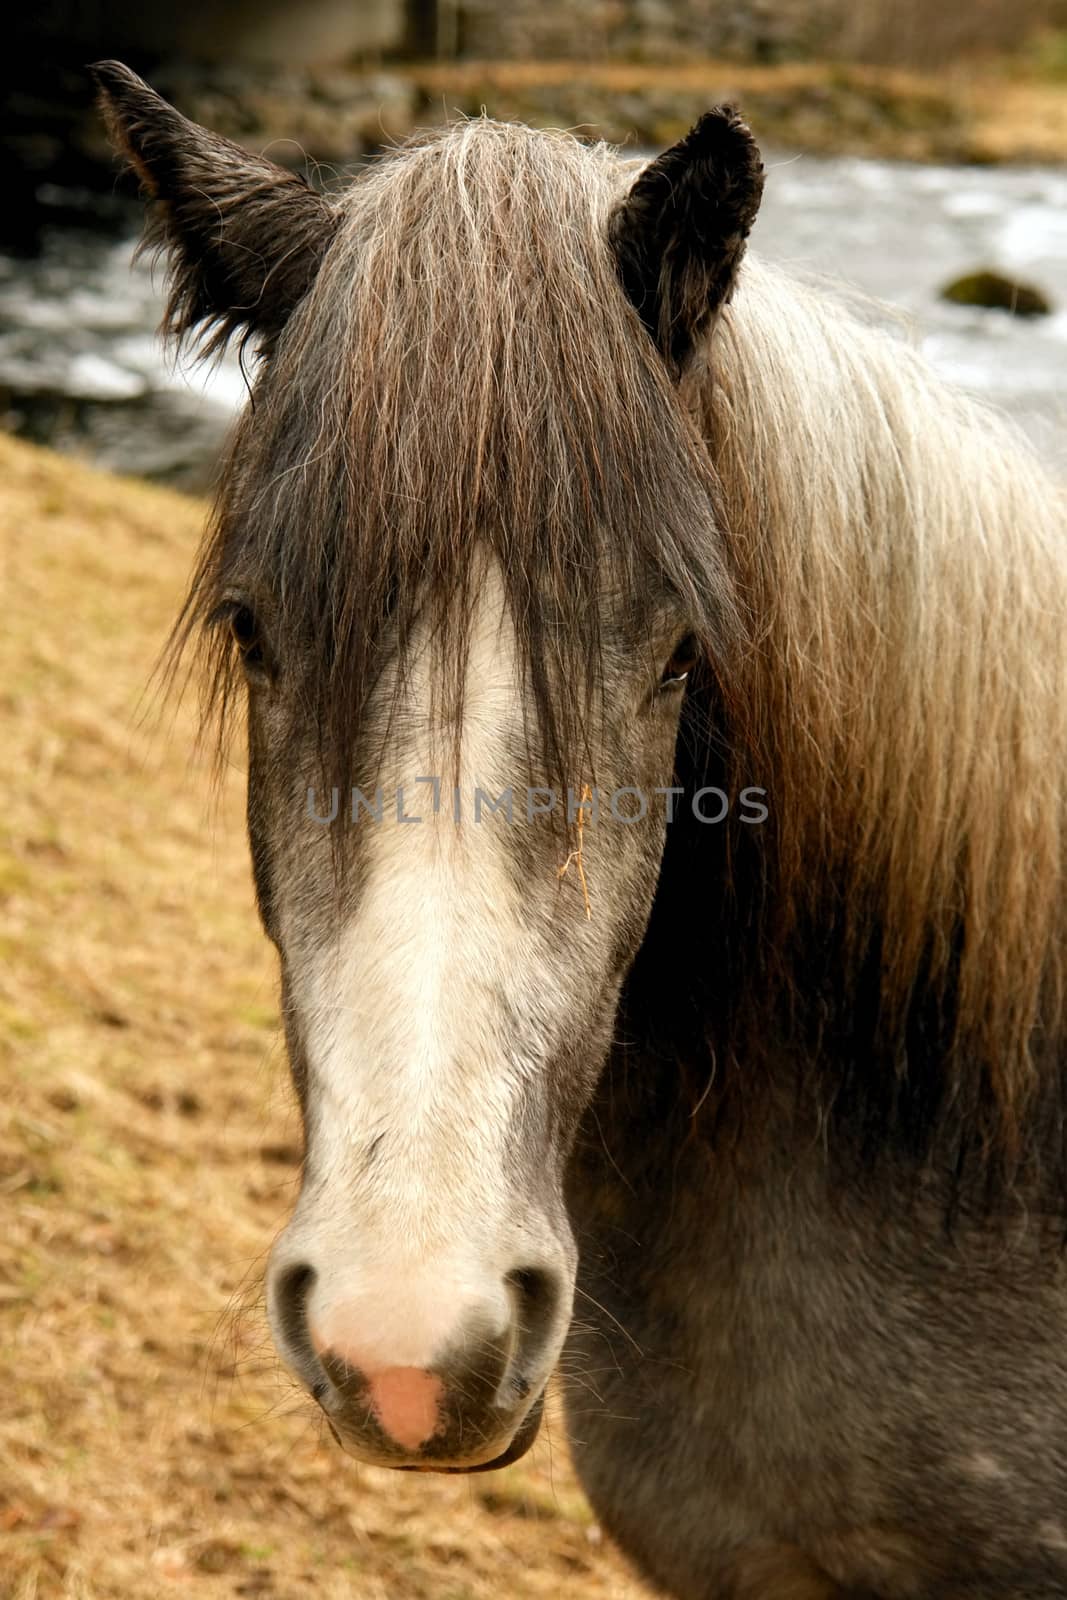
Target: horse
{"type": "Point", "coordinates": [750, 1124]}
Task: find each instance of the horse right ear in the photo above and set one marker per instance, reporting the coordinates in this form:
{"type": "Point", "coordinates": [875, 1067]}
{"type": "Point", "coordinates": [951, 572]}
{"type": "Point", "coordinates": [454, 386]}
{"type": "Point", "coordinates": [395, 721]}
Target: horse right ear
{"type": "Point", "coordinates": [243, 238]}
{"type": "Point", "coordinates": [679, 234]}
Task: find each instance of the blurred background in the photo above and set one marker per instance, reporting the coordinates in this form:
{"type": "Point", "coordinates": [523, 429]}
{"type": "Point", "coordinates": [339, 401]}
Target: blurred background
{"type": "Point", "coordinates": [149, 1146]}
{"type": "Point", "coordinates": [911, 146]}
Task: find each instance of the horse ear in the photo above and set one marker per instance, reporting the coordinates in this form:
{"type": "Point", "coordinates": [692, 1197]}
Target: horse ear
{"type": "Point", "coordinates": [243, 238]}
{"type": "Point", "coordinates": [679, 234]}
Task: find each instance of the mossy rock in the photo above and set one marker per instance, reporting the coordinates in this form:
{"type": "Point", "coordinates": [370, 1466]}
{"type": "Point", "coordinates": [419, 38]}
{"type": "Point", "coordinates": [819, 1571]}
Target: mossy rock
{"type": "Point", "coordinates": [998, 293]}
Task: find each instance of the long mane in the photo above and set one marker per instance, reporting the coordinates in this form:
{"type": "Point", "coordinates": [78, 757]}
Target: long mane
{"type": "Point", "coordinates": [904, 559]}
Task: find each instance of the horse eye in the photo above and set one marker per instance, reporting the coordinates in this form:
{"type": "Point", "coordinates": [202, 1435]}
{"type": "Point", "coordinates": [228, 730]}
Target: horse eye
{"type": "Point", "coordinates": [245, 631]}
{"type": "Point", "coordinates": [684, 658]}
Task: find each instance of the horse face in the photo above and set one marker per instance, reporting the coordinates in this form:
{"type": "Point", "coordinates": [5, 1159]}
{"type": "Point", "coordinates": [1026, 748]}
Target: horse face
{"type": "Point", "coordinates": [448, 1011]}
{"type": "Point", "coordinates": [449, 995]}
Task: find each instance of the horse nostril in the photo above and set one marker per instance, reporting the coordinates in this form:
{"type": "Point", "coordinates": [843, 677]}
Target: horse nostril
{"type": "Point", "coordinates": [290, 1303]}
{"type": "Point", "coordinates": [535, 1294]}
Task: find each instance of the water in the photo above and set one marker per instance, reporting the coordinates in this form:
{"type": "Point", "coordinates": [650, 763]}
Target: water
{"type": "Point", "coordinates": [900, 232]}
{"type": "Point", "coordinates": [80, 366]}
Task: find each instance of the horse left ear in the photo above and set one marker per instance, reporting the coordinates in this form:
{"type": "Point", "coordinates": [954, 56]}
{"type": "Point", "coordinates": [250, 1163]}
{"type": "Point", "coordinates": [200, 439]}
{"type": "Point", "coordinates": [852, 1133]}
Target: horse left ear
{"type": "Point", "coordinates": [243, 238]}
{"type": "Point", "coordinates": [680, 233]}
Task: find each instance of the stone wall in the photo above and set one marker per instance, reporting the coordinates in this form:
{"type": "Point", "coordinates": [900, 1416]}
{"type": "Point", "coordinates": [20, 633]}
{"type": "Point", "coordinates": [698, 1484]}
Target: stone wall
{"type": "Point", "coordinates": [635, 30]}
{"type": "Point", "coordinates": [905, 32]}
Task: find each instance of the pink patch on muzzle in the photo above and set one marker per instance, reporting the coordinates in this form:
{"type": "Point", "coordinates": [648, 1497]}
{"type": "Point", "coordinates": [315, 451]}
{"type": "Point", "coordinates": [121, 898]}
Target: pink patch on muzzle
{"type": "Point", "coordinates": [406, 1402]}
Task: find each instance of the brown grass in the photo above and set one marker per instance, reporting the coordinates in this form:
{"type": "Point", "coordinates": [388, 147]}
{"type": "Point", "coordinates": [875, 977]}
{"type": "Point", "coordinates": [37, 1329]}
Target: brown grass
{"type": "Point", "coordinates": [983, 109]}
{"type": "Point", "coordinates": [148, 1148]}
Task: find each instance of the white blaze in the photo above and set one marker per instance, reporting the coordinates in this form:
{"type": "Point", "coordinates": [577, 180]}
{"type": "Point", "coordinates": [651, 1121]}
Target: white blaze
{"type": "Point", "coordinates": [410, 1052]}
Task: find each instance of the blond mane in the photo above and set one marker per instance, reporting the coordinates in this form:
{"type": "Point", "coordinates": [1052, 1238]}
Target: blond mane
{"type": "Point", "coordinates": [904, 558]}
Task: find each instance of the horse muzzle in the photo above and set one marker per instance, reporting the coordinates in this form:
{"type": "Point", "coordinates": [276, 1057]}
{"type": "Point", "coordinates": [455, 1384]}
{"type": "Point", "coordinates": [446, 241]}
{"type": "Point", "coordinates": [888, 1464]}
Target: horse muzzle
{"type": "Point", "coordinates": [447, 1393]}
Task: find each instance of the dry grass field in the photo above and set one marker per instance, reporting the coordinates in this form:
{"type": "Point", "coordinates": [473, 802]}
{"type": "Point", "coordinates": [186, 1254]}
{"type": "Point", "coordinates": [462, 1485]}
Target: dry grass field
{"type": "Point", "coordinates": [149, 1149]}
{"type": "Point", "coordinates": [989, 110]}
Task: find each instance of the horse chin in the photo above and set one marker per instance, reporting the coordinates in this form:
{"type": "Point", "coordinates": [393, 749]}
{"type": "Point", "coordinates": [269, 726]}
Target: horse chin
{"type": "Point", "coordinates": [524, 1438]}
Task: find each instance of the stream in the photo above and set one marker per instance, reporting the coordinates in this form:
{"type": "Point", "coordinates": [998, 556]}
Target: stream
{"type": "Point", "coordinates": [81, 369]}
